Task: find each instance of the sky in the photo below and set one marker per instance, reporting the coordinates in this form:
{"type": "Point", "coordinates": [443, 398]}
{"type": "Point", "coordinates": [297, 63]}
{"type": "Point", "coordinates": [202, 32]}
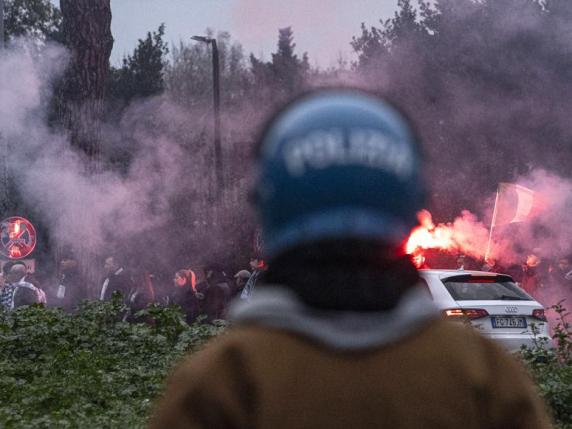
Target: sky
{"type": "Point", "coordinates": [323, 28]}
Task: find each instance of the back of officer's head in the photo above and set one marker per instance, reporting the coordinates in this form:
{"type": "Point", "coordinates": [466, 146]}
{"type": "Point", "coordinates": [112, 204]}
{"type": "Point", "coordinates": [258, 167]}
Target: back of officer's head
{"type": "Point", "coordinates": [337, 191]}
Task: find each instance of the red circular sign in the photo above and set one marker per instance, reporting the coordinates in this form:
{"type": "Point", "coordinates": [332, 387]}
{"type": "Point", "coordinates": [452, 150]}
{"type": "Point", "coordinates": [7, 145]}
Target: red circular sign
{"type": "Point", "coordinates": [17, 237]}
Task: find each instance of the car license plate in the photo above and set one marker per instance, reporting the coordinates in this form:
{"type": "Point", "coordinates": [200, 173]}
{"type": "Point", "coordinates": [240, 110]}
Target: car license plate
{"type": "Point", "coordinates": [508, 322]}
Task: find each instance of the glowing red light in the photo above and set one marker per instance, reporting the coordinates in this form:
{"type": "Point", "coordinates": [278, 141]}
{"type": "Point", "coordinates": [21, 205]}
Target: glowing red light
{"type": "Point", "coordinates": [429, 236]}
{"type": "Point", "coordinates": [17, 237]}
{"type": "Point", "coordinates": [469, 313]}
{"type": "Point", "coordinates": [15, 252]}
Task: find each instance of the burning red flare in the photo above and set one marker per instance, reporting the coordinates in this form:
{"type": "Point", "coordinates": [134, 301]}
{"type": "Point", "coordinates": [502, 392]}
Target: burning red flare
{"type": "Point", "coordinates": [429, 236]}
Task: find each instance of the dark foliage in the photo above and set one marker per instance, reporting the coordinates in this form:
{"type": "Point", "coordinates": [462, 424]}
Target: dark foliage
{"type": "Point", "coordinates": [552, 368]}
{"type": "Point", "coordinates": [141, 74]}
{"type": "Point", "coordinates": [486, 82]}
{"type": "Point", "coordinates": [89, 369]}
{"type": "Point", "coordinates": [38, 19]}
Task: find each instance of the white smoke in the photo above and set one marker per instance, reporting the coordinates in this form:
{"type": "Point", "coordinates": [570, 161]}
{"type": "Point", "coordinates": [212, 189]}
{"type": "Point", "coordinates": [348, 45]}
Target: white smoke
{"type": "Point", "coordinates": [103, 210]}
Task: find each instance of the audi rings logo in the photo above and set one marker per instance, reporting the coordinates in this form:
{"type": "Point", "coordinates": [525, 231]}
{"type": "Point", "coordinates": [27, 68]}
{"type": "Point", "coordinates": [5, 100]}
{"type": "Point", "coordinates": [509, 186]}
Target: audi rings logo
{"type": "Point", "coordinates": [511, 309]}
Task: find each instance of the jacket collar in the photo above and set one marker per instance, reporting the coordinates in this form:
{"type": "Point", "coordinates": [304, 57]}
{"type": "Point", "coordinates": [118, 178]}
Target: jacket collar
{"type": "Point", "coordinates": [278, 307]}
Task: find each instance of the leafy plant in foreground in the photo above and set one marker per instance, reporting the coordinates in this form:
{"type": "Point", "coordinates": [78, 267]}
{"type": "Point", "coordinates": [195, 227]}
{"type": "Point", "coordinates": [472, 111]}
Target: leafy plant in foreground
{"type": "Point", "coordinates": [89, 369]}
{"type": "Point", "coordinates": [552, 368]}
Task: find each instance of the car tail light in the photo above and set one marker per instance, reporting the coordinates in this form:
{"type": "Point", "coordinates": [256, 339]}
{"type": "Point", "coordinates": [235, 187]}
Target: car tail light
{"type": "Point", "coordinates": [469, 313]}
{"type": "Point", "coordinates": [539, 314]}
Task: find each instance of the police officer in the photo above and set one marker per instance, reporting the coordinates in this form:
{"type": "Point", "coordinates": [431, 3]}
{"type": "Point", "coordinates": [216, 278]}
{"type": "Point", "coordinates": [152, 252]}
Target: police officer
{"type": "Point", "coordinates": [341, 335]}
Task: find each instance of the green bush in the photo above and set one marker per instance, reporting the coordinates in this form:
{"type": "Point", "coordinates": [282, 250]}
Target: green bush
{"type": "Point", "coordinates": [88, 369]}
{"type": "Point", "coordinates": [552, 369]}
{"type": "Point", "coordinates": [91, 369]}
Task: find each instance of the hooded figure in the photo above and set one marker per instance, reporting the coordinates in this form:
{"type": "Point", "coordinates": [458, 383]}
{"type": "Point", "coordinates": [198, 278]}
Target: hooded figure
{"type": "Point", "coordinates": [340, 334]}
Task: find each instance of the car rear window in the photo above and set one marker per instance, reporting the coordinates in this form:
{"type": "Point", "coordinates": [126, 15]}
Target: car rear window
{"type": "Point", "coordinates": [473, 288]}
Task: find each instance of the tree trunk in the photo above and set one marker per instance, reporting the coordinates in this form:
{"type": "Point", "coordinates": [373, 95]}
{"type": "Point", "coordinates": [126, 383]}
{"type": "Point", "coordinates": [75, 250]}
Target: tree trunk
{"type": "Point", "coordinates": [87, 35]}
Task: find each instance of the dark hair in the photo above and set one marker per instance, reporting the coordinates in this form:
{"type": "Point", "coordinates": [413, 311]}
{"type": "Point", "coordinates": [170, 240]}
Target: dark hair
{"type": "Point", "coordinates": [8, 266]}
{"type": "Point", "coordinates": [22, 264]}
{"type": "Point", "coordinates": [346, 274]}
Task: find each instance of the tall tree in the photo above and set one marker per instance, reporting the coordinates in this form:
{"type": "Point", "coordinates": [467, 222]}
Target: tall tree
{"type": "Point", "coordinates": [370, 46]}
{"type": "Point", "coordinates": [404, 24]}
{"type": "Point", "coordinates": [142, 73]}
{"type": "Point", "coordinates": [289, 71]}
{"type": "Point", "coordinates": [404, 29]}
{"type": "Point", "coordinates": [284, 76]}
{"type": "Point", "coordinates": [87, 35]}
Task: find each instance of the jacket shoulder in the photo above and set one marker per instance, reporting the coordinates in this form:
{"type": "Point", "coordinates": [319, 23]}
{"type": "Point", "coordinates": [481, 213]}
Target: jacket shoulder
{"type": "Point", "coordinates": [214, 378]}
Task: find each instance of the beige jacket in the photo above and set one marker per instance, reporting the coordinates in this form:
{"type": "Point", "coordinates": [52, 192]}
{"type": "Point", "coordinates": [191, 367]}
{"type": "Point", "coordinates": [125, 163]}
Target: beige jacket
{"type": "Point", "coordinates": [290, 370]}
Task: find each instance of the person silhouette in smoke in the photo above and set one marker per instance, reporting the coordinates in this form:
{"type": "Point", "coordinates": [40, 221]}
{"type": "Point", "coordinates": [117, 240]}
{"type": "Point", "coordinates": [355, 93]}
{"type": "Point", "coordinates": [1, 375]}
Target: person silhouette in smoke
{"type": "Point", "coordinates": [184, 293]}
{"type": "Point", "coordinates": [217, 293]}
{"type": "Point", "coordinates": [534, 277]}
{"type": "Point", "coordinates": [341, 333]}
{"type": "Point", "coordinates": [258, 267]}
{"type": "Point", "coordinates": [240, 280]}
{"type": "Point", "coordinates": [72, 286]}
{"type": "Point", "coordinates": [117, 279]}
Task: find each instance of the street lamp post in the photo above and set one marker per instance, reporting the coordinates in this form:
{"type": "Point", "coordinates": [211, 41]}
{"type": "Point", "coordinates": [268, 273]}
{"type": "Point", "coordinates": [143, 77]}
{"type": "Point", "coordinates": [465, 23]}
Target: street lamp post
{"type": "Point", "coordinates": [1, 24]}
{"type": "Point", "coordinates": [3, 143]}
{"type": "Point", "coordinates": [216, 99]}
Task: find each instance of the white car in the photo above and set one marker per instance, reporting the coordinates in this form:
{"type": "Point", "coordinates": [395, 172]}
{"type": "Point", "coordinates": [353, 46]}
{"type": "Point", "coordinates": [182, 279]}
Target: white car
{"type": "Point", "coordinates": [493, 304]}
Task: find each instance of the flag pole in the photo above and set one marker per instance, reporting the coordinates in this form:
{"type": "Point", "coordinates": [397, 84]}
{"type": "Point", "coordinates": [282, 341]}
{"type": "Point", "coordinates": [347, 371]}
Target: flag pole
{"type": "Point", "coordinates": [492, 226]}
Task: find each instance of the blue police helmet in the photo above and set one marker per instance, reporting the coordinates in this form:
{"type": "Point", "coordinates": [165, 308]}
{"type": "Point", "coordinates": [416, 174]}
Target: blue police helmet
{"type": "Point", "coordinates": [337, 164]}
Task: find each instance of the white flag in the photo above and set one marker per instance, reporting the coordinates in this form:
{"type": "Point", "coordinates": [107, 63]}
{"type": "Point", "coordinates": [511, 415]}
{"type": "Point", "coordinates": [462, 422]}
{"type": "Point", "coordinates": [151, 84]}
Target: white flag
{"type": "Point", "coordinates": [514, 203]}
